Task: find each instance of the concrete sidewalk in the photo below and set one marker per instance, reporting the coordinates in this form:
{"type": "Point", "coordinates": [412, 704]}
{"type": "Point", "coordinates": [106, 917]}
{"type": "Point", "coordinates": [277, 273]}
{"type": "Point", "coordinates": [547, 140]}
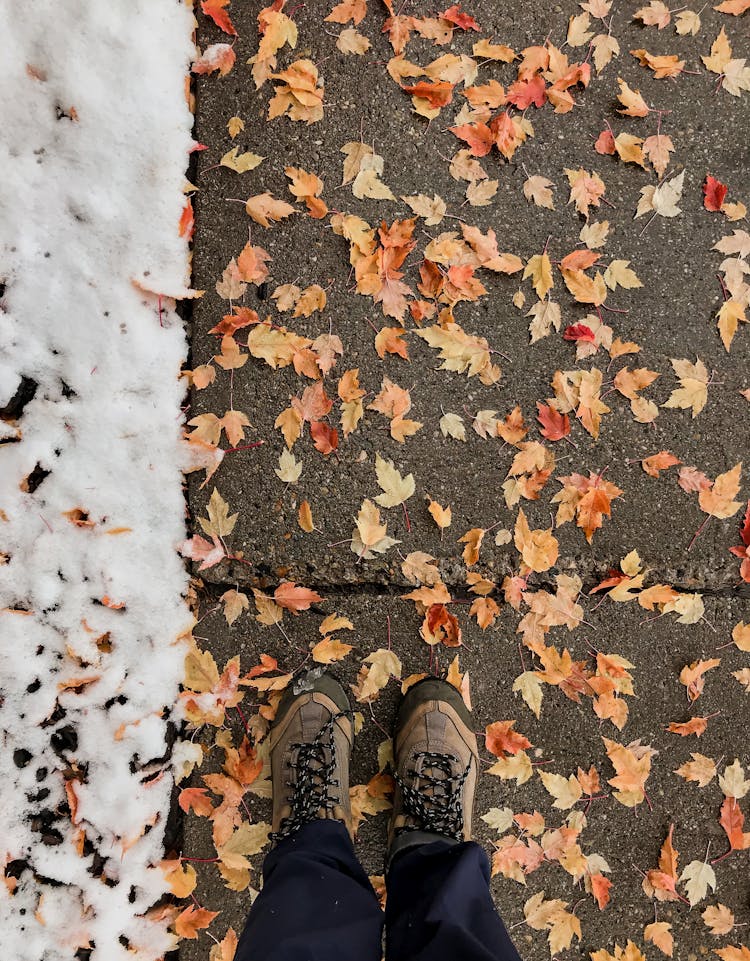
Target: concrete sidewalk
{"type": "Point", "coordinates": [670, 316]}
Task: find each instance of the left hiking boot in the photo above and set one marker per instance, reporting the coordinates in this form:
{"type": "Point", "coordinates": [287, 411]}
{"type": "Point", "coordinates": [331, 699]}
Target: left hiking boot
{"type": "Point", "coordinates": [311, 744]}
{"type": "Point", "coordinates": [436, 767]}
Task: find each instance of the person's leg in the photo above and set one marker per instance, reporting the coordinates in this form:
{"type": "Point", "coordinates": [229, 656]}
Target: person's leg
{"type": "Point", "coordinates": [439, 906]}
{"type": "Point", "coordinates": [316, 904]}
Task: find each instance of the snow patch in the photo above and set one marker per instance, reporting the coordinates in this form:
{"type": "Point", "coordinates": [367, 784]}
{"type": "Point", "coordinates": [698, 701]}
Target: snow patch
{"type": "Point", "coordinates": [95, 138]}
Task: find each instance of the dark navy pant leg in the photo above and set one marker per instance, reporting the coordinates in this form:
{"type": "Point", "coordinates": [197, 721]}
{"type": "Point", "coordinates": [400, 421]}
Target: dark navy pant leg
{"type": "Point", "coordinates": [439, 906]}
{"type": "Point", "coordinates": [316, 903]}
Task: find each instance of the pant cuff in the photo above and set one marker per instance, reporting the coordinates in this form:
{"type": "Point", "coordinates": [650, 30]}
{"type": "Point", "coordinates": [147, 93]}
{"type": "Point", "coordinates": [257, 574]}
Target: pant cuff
{"type": "Point", "coordinates": [410, 839]}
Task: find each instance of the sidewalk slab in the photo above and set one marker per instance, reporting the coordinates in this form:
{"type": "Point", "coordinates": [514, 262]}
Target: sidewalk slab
{"type": "Point", "coordinates": [671, 316]}
{"type": "Point", "coordinates": [566, 736]}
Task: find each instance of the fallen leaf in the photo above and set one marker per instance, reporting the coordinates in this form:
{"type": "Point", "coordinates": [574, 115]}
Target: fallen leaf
{"type": "Point", "coordinates": [698, 877]}
{"type": "Point", "coordinates": [660, 934]}
{"type": "Point", "coordinates": [264, 208]}
{"type": "Point", "coordinates": [329, 650]}
{"type": "Point", "coordinates": [718, 919]}
{"type": "Point", "coordinates": [701, 769]}
{"type": "Point", "coordinates": [396, 489]}
{"type": "Point", "coordinates": [294, 598]}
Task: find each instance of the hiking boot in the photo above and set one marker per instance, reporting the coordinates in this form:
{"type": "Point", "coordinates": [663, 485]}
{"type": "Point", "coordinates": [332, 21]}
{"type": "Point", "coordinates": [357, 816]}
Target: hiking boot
{"type": "Point", "coordinates": [436, 767]}
{"type": "Point", "coordinates": [311, 745]}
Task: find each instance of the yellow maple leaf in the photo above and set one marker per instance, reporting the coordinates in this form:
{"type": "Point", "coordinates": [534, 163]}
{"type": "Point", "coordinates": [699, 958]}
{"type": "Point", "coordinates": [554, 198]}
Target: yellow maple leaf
{"type": "Point", "coordinates": [370, 528]}
{"type": "Point", "coordinates": [632, 101]}
{"type": "Point", "coordinates": [585, 289]}
{"type": "Point", "coordinates": [246, 840]}
{"type": "Point", "coordinates": [660, 934]}
{"type": "Point", "coordinates": [396, 488]}
{"type": "Point", "coordinates": [352, 41]}
{"type": "Point", "coordinates": [330, 649]}
{"type": "Point", "coordinates": [240, 163]}
{"type": "Point", "coordinates": [693, 389]}
{"type": "Point", "coordinates": [441, 515]}
{"type": "Point", "coordinates": [539, 549]}
{"type": "Point", "coordinates": [586, 189]}
{"type": "Point", "coordinates": [730, 314]}
{"type": "Point", "coordinates": [718, 919]}
{"type": "Point", "coordinates": [718, 500]}
{"type": "Point", "coordinates": [539, 269]}
{"type": "Point", "coordinates": [461, 352]}
{"type": "Point", "coordinates": [264, 208]}
{"type": "Point", "coordinates": [180, 877]}
{"type": "Point", "coordinates": [565, 791]}
{"type": "Point", "coordinates": [219, 520]}
{"type": "Point", "coordinates": [377, 669]}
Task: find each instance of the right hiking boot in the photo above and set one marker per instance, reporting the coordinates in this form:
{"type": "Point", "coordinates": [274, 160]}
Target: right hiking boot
{"type": "Point", "coordinates": [310, 746]}
{"type": "Point", "coordinates": [436, 767]}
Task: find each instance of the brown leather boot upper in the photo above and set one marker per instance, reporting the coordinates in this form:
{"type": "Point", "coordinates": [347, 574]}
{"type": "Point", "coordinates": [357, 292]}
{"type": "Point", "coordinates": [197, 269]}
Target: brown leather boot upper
{"type": "Point", "coordinates": [436, 762]}
{"type": "Point", "coordinates": [310, 748]}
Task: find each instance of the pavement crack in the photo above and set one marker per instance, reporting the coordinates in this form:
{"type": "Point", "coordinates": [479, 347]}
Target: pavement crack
{"type": "Point", "coordinates": [397, 588]}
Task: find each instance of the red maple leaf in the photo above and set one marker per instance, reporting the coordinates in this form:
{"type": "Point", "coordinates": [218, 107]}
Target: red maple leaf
{"type": "Point", "coordinates": [614, 577]}
{"type": "Point", "coordinates": [456, 15]}
{"type": "Point", "coordinates": [714, 192]}
{"type": "Point", "coordinates": [743, 549]}
{"type": "Point", "coordinates": [523, 93]}
{"type": "Point", "coordinates": [229, 323]}
{"type": "Point", "coordinates": [215, 10]}
{"type": "Point", "coordinates": [325, 438]}
{"type": "Point", "coordinates": [555, 425]}
{"type": "Point", "coordinates": [605, 142]}
{"type": "Point", "coordinates": [579, 332]}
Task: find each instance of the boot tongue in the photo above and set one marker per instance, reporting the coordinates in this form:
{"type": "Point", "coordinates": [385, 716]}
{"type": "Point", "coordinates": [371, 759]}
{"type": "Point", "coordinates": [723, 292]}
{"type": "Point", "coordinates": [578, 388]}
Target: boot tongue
{"type": "Point", "coordinates": [436, 727]}
{"type": "Point", "coordinates": [313, 717]}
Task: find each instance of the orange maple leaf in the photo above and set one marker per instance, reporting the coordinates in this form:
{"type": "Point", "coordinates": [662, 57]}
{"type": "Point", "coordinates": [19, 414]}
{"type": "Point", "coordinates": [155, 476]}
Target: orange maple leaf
{"type": "Point", "coordinates": [693, 676]}
{"type": "Point", "coordinates": [500, 739]}
{"type": "Point", "coordinates": [733, 821]}
{"type": "Point", "coordinates": [192, 920]}
{"type": "Point", "coordinates": [633, 766]}
{"type": "Point", "coordinates": [478, 136]}
{"type": "Point", "coordinates": [600, 887]}
{"type": "Point", "coordinates": [295, 598]}
{"type": "Point", "coordinates": [314, 403]}
{"type": "Point", "coordinates": [589, 499]}
{"type": "Point", "coordinates": [440, 626]}
{"type": "Point", "coordinates": [187, 221]}
{"type": "Point", "coordinates": [196, 799]}
{"type": "Point", "coordinates": [664, 879]}
{"type": "Point", "coordinates": [438, 93]}
{"type": "Point", "coordinates": [696, 725]}
{"type": "Point", "coordinates": [658, 462]}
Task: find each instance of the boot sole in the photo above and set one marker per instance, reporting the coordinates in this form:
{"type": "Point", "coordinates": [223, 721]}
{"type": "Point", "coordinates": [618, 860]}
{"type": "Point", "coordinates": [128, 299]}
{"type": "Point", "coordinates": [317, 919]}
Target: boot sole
{"type": "Point", "coordinates": [432, 689]}
{"type": "Point", "coordinates": [325, 684]}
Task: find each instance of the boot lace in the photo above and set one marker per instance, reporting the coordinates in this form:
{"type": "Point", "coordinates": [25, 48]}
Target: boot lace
{"type": "Point", "coordinates": [436, 805]}
{"type": "Point", "coordinates": [312, 779]}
